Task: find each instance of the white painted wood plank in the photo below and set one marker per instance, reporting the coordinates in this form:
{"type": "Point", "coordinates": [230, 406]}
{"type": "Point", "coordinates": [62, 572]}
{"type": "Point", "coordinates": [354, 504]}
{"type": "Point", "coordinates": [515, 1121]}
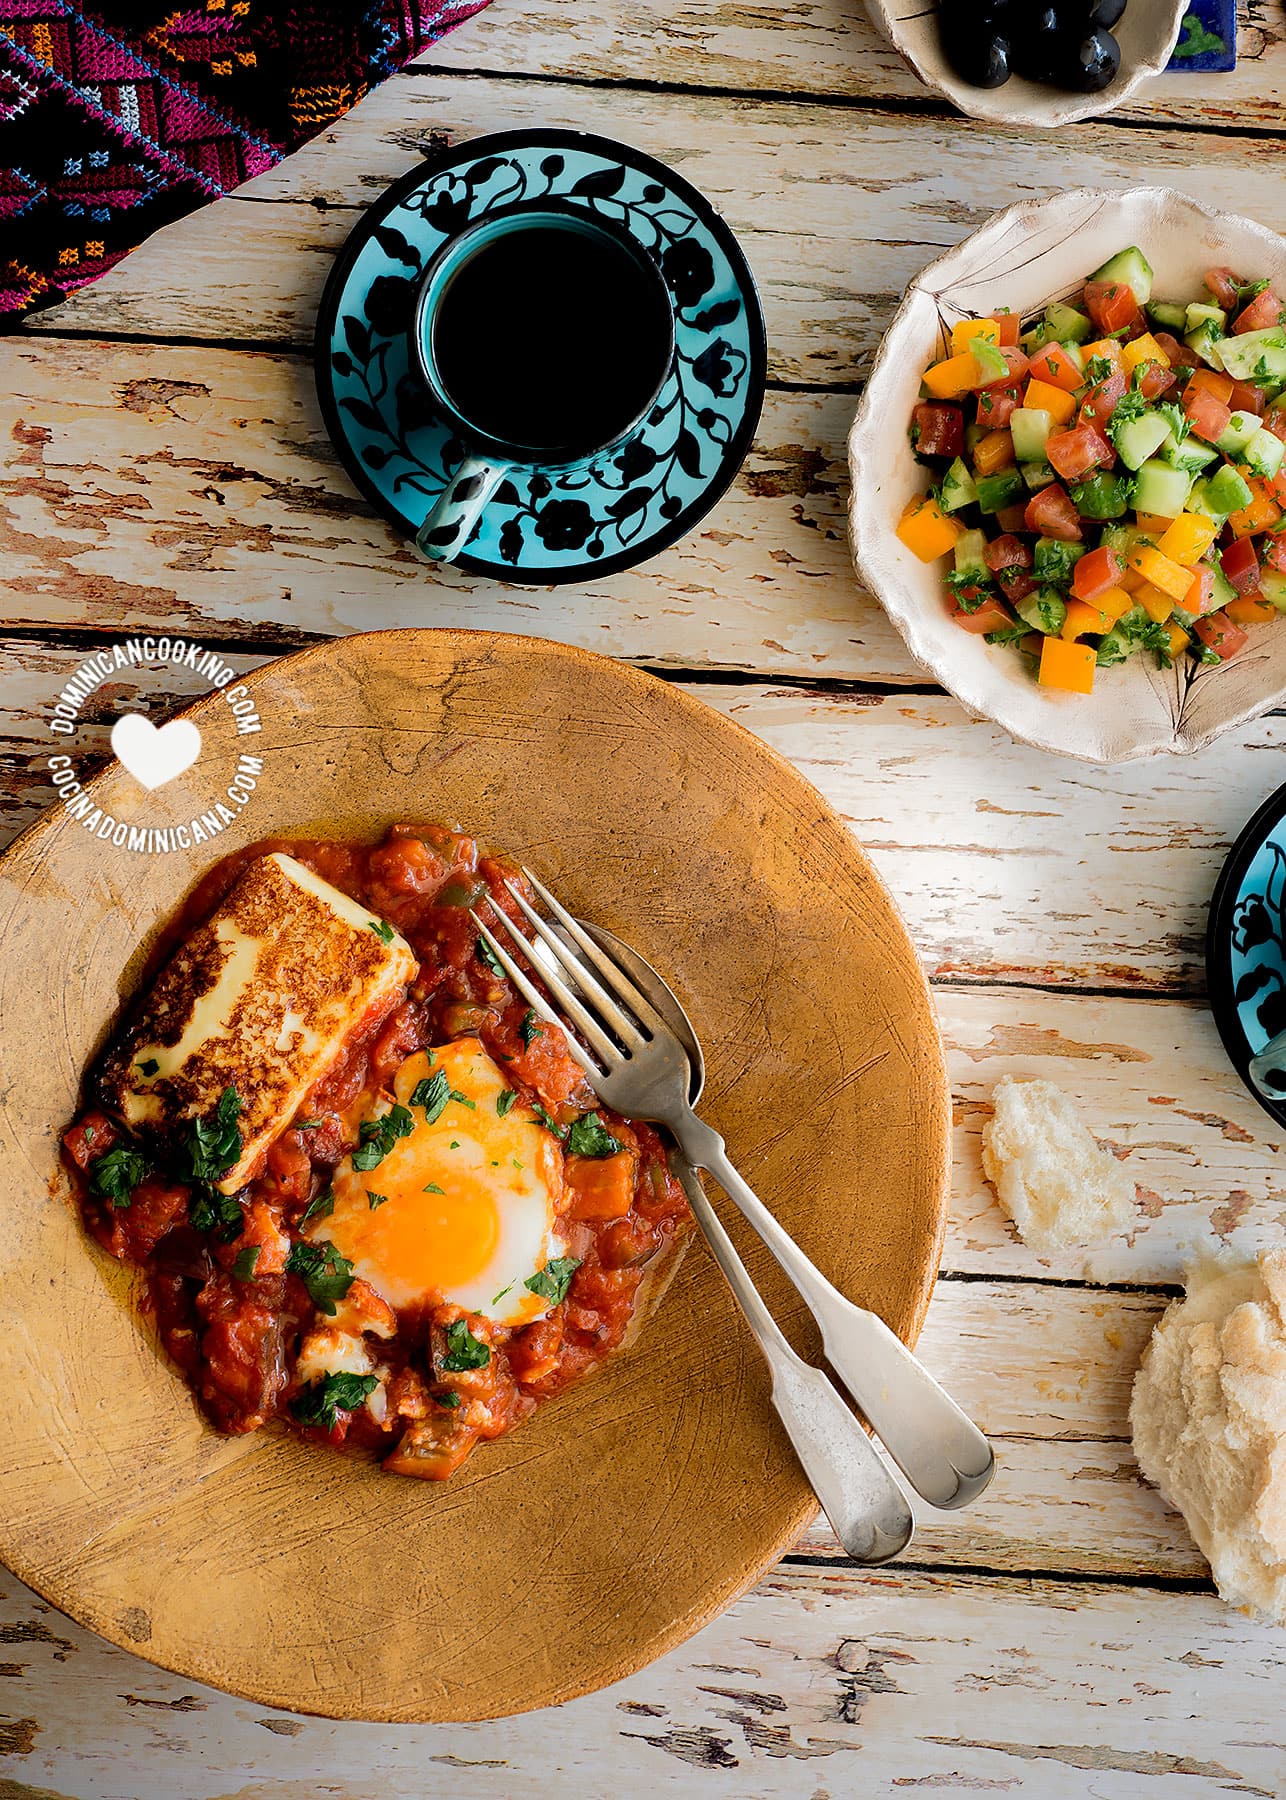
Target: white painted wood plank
{"type": "Point", "coordinates": [836, 209]}
{"type": "Point", "coordinates": [822, 1682]}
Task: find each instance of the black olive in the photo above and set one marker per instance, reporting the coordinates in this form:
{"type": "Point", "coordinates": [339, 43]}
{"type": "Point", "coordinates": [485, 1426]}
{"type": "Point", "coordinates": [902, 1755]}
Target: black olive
{"type": "Point", "coordinates": [1098, 57]}
{"type": "Point", "coordinates": [1040, 43]}
{"type": "Point", "coordinates": [1105, 13]}
{"type": "Point", "coordinates": [981, 60]}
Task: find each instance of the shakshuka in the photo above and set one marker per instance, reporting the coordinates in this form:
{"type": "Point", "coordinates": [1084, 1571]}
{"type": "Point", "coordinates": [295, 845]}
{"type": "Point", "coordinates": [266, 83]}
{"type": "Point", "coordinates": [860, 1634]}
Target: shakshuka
{"type": "Point", "coordinates": [371, 1191]}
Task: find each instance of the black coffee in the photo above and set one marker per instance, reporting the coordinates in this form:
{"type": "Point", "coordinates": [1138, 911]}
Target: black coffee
{"type": "Point", "coordinates": [552, 338]}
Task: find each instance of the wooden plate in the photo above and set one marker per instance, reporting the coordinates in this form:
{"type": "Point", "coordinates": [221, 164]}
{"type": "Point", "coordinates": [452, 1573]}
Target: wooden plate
{"type": "Point", "coordinates": [640, 1504]}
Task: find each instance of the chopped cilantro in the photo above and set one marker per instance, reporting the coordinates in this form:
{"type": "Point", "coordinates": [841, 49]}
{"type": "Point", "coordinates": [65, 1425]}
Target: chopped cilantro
{"type": "Point", "coordinates": [321, 1207]}
{"type": "Point", "coordinates": [375, 1201]}
{"type": "Point", "coordinates": [488, 958]}
{"type": "Point", "coordinates": [378, 1137]}
{"type": "Point", "coordinates": [500, 1296]}
{"type": "Point", "coordinates": [433, 1188]}
{"type": "Point", "coordinates": [319, 1402]}
{"type": "Point", "coordinates": [1097, 369]}
{"type": "Point", "coordinates": [450, 1399]}
{"type": "Point", "coordinates": [324, 1272]}
{"type": "Point", "coordinates": [530, 1027]}
{"type": "Point", "coordinates": [211, 1146]}
{"type": "Point", "coordinates": [244, 1266]}
{"type": "Point", "coordinates": [1251, 290]}
{"type": "Point", "coordinates": [559, 1131]}
{"type": "Point", "coordinates": [590, 1137]}
{"type": "Point", "coordinates": [307, 1124]}
{"type": "Point", "coordinates": [464, 1351]}
{"type": "Point", "coordinates": [505, 1101]}
{"type": "Point", "coordinates": [382, 930]}
{"type": "Point", "coordinates": [117, 1174]}
{"type": "Point", "coordinates": [149, 1067]}
{"type": "Point", "coordinates": [464, 1100]}
{"type": "Point", "coordinates": [432, 1093]}
{"type": "Point", "coordinates": [209, 1210]}
{"type": "Point", "coordinates": [553, 1281]}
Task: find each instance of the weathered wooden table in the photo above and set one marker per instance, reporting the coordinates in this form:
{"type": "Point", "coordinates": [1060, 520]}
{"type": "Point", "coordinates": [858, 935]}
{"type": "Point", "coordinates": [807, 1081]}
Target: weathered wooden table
{"type": "Point", "coordinates": [165, 466]}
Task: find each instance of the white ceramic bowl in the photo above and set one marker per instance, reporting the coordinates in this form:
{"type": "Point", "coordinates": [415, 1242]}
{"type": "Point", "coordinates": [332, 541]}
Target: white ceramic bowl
{"type": "Point", "coordinates": [1147, 34]}
{"type": "Point", "coordinates": [1024, 258]}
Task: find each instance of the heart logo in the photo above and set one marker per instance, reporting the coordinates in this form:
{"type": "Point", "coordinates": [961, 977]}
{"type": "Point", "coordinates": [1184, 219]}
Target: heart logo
{"type": "Point", "coordinates": [155, 755]}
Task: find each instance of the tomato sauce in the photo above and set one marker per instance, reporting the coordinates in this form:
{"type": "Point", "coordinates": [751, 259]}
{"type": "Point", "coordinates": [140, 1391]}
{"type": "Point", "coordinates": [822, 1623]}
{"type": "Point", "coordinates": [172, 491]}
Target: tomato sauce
{"type": "Point", "coordinates": [238, 1340]}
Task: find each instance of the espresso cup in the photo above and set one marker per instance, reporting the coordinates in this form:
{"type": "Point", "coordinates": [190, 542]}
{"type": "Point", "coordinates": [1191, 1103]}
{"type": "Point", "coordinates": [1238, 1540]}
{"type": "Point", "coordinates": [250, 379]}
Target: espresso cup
{"type": "Point", "coordinates": [545, 335]}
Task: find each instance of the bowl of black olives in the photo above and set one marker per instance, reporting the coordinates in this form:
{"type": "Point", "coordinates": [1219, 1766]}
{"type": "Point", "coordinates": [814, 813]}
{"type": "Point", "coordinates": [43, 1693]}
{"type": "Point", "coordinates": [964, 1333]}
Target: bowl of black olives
{"type": "Point", "coordinates": [1033, 62]}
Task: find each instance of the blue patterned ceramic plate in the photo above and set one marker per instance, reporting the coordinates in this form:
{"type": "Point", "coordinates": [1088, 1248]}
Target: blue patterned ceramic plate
{"type": "Point", "coordinates": [560, 525]}
{"type": "Point", "coordinates": [1246, 945]}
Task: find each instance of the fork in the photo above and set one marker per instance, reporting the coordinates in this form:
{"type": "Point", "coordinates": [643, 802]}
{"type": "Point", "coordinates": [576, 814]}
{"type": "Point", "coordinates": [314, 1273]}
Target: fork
{"type": "Point", "coordinates": [642, 1071]}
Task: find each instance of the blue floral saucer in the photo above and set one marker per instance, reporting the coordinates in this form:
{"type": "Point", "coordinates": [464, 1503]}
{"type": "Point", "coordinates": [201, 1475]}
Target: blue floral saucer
{"type": "Point", "coordinates": [555, 525]}
{"type": "Point", "coordinates": [1246, 949]}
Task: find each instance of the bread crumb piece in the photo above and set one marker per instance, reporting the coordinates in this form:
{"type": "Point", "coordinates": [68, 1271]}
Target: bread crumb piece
{"type": "Point", "coordinates": [1054, 1180]}
{"type": "Point", "coordinates": [1208, 1418]}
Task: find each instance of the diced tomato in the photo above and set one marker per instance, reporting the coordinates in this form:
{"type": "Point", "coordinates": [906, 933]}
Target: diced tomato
{"type": "Point", "coordinates": [1054, 365]}
{"type": "Point", "coordinates": [1101, 401]}
{"type": "Point", "coordinates": [1218, 633]}
{"type": "Point", "coordinates": [937, 428]}
{"type": "Point", "coordinates": [1219, 384]}
{"type": "Point", "coordinates": [1075, 453]}
{"type": "Point", "coordinates": [1017, 583]}
{"type": "Point", "coordinates": [1155, 379]}
{"type": "Point", "coordinates": [1008, 552]}
{"type": "Point", "coordinates": [1240, 563]}
{"type": "Point", "coordinates": [1207, 416]}
{"type": "Point", "coordinates": [1178, 352]}
{"type": "Point", "coordinates": [997, 405]}
{"type": "Point", "coordinates": [1010, 328]}
{"type": "Point", "coordinates": [1275, 420]}
{"type": "Point", "coordinates": [1111, 305]}
{"type": "Point", "coordinates": [1274, 551]}
{"type": "Point", "coordinates": [1051, 514]}
{"type": "Point", "coordinates": [1012, 518]}
{"type": "Point", "coordinates": [990, 616]}
{"type": "Point", "coordinates": [1096, 572]}
{"type": "Point", "coordinates": [1246, 397]}
{"type": "Point", "coordinates": [1200, 596]}
{"type": "Point", "coordinates": [1224, 285]}
{"type": "Point", "coordinates": [1263, 312]}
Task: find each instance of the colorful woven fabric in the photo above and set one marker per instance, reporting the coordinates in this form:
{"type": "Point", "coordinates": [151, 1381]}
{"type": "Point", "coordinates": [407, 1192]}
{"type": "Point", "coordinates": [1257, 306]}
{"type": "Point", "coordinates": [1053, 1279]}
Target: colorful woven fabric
{"type": "Point", "coordinates": [117, 119]}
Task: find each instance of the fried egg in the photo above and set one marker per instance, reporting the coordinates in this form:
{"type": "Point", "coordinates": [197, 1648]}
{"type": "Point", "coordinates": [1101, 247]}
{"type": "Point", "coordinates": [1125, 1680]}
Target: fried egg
{"type": "Point", "coordinates": [463, 1207]}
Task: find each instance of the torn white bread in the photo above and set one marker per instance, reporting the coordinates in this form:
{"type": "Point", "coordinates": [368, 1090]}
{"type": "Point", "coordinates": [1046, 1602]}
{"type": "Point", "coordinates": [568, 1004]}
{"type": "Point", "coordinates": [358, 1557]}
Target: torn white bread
{"type": "Point", "coordinates": [1208, 1418]}
{"type": "Point", "coordinates": [1058, 1185]}
{"type": "Point", "coordinates": [263, 996]}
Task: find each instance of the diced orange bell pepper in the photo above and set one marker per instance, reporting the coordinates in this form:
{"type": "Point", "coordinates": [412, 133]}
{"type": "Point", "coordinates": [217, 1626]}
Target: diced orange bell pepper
{"type": "Point", "coordinates": [1144, 349]}
{"type": "Point", "coordinates": [1188, 539]}
{"type": "Point", "coordinates": [1200, 597]}
{"type": "Point", "coordinates": [963, 334]}
{"type": "Point", "coordinates": [1179, 640]}
{"type": "Point", "coordinates": [1218, 384]}
{"type": "Point", "coordinates": [1067, 666]}
{"type": "Point", "coordinates": [602, 1186]}
{"type": "Point", "coordinates": [1010, 329]}
{"type": "Point", "coordinates": [1114, 603]}
{"type": "Point", "coordinates": [950, 379]}
{"type": "Point", "coordinates": [995, 451]}
{"type": "Point", "coordinates": [1104, 350]}
{"type": "Point", "coordinates": [1261, 515]}
{"type": "Point", "coordinates": [1042, 396]}
{"type": "Point", "coordinates": [1153, 525]}
{"type": "Point", "coordinates": [1156, 604]}
{"type": "Point", "coordinates": [1171, 577]}
{"type": "Point", "coordinates": [1250, 609]}
{"type": "Point", "coordinates": [1082, 617]}
{"type": "Point", "coordinates": [926, 530]}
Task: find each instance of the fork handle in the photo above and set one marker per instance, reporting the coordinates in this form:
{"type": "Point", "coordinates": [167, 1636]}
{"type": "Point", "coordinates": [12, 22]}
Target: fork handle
{"type": "Point", "coordinates": [867, 1509]}
{"type": "Point", "coordinates": [938, 1448]}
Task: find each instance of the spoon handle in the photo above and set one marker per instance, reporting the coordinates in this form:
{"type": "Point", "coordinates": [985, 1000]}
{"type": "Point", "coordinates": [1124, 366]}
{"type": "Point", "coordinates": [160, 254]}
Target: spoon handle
{"type": "Point", "coordinates": [941, 1452]}
{"type": "Point", "coordinates": [867, 1509]}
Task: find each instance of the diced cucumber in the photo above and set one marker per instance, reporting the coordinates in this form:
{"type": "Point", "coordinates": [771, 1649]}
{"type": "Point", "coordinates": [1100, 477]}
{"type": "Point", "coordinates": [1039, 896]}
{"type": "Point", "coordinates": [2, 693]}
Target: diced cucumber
{"type": "Point", "coordinates": [996, 492]}
{"type": "Point", "coordinates": [974, 434]}
{"type": "Point", "coordinates": [1226, 490]}
{"type": "Point", "coordinates": [1131, 267]}
{"type": "Point", "coordinates": [1206, 343]}
{"type": "Point", "coordinates": [1263, 454]}
{"type": "Point", "coordinates": [1137, 439]}
{"type": "Point", "coordinates": [1045, 610]}
{"type": "Point", "coordinates": [1103, 496]}
{"type": "Point", "coordinates": [1199, 501]}
{"type": "Point", "coordinates": [1255, 355]}
{"type": "Point", "coordinates": [1183, 619]}
{"type": "Point", "coordinates": [1192, 454]}
{"type": "Point", "coordinates": [1123, 639]}
{"type": "Point", "coordinates": [1074, 354]}
{"type": "Point", "coordinates": [1030, 426]}
{"type": "Point", "coordinates": [1067, 324]}
{"type": "Point", "coordinates": [958, 488]}
{"type": "Point", "coordinates": [990, 359]}
{"type": "Point", "coordinates": [1223, 591]}
{"type": "Point", "coordinates": [1118, 537]}
{"type": "Point", "coordinates": [971, 555]}
{"type": "Point", "coordinates": [1272, 585]}
{"type": "Point", "coordinates": [1168, 315]}
{"type": "Point", "coordinates": [1238, 432]}
{"type": "Point", "coordinates": [1054, 559]}
{"type": "Point", "coordinates": [1197, 315]}
{"type": "Point", "coordinates": [1161, 489]}
{"type": "Point", "coordinates": [1037, 475]}
{"type": "Point", "coordinates": [1036, 339]}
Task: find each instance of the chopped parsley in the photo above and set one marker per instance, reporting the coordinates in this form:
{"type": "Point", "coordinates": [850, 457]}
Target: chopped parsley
{"type": "Point", "coordinates": [244, 1267]}
{"type": "Point", "coordinates": [505, 1101]}
{"type": "Point", "coordinates": [464, 1351]}
{"type": "Point", "coordinates": [1208, 655]}
{"type": "Point", "coordinates": [149, 1067]}
{"type": "Point", "coordinates": [500, 1296]}
{"type": "Point", "coordinates": [1175, 418]}
{"type": "Point", "coordinates": [211, 1146]}
{"type": "Point", "coordinates": [116, 1174]}
{"type": "Point", "coordinates": [209, 1210]}
{"type": "Point", "coordinates": [375, 1201]}
{"type": "Point", "coordinates": [382, 930]}
{"type": "Point", "coordinates": [488, 958]}
{"type": "Point", "coordinates": [319, 1402]}
{"type": "Point", "coordinates": [559, 1131]}
{"type": "Point", "coordinates": [324, 1272]}
{"type": "Point", "coordinates": [530, 1028]}
{"type": "Point", "coordinates": [1097, 369]}
{"type": "Point", "coordinates": [1251, 290]}
{"type": "Point", "coordinates": [307, 1124]}
{"type": "Point", "coordinates": [378, 1137]}
{"type": "Point", "coordinates": [553, 1281]}
{"type": "Point", "coordinates": [320, 1208]}
{"type": "Point", "coordinates": [433, 1188]}
{"type": "Point", "coordinates": [450, 1399]}
{"type": "Point", "coordinates": [590, 1137]}
{"type": "Point", "coordinates": [432, 1093]}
